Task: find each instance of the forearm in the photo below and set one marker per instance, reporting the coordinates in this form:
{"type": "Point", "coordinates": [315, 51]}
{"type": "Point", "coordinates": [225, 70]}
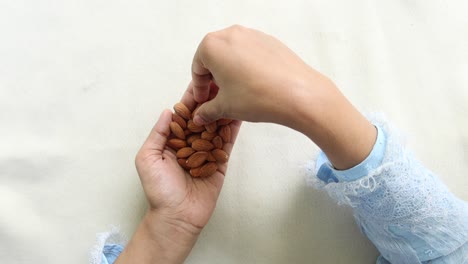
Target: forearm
{"type": "Point", "coordinates": [402, 207]}
{"type": "Point", "coordinates": [159, 240]}
{"type": "Point", "coordinates": [321, 112]}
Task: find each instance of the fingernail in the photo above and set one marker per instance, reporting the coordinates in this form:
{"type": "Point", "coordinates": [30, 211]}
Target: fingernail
{"type": "Point", "coordinates": [198, 120]}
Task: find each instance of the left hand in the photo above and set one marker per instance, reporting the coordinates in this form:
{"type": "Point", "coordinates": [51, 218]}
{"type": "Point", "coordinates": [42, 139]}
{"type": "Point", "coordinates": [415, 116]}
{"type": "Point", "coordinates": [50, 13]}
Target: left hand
{"type": "Point", "coordinates": [179, 205]}
{"type": "Point", "coordinates": [170, 190]}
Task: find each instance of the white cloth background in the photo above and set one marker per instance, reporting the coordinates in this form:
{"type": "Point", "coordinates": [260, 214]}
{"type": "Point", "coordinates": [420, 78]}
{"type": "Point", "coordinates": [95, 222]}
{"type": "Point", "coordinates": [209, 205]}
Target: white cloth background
{"type": "Point", "coordinates": [82, 82]}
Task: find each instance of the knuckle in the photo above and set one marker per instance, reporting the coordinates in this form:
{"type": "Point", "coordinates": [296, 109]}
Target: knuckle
{"type": "Point", "coordinates": [236, 27]}
{"type": "Point", "coordinates": [208, 43]}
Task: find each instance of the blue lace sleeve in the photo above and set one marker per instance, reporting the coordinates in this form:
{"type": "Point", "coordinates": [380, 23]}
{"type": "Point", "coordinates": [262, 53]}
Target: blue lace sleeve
{"type": "Point", "coordinates": [401, 206]}
{"type": "Point", "coordinates": [110, 253]}
{"type": "Point", "coordinates": [108, 247]}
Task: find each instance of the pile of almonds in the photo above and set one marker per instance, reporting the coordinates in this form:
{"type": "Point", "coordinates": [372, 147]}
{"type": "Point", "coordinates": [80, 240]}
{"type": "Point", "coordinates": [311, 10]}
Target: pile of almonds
{"type": "Point", "coordinates": [199, 149]}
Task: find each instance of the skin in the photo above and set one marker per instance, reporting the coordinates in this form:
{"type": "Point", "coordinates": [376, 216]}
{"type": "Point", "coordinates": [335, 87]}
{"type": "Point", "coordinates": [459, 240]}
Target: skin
{"type": "Point", "coordinates": [242, 74]}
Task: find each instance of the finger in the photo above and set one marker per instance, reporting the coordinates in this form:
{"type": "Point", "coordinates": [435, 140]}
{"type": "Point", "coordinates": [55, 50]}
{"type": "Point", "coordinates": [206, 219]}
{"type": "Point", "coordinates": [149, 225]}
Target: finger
{"type": "Point", "coordinates": [188, 99]}
{"type": "Point", "coordinates": [201, 76]}
{"type": "Point", "coordinates": [157, 138]}
{"type": "Point", "coordinates": [213, 90]}
{"type": "Point", "coordinates": [209, 112]}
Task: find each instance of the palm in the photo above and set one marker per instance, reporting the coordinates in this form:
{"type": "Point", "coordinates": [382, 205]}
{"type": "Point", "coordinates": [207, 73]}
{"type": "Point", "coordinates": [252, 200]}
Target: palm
{"type": "Point", "coordinates": [167, 186]}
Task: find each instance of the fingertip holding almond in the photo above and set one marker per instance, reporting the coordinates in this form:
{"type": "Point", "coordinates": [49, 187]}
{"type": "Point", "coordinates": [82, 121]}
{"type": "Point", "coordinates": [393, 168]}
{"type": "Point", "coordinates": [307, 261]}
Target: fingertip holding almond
{"type": "Point", "coordinates": [194, 128]}
{"type": "Point", "coordinates": [199, 145]}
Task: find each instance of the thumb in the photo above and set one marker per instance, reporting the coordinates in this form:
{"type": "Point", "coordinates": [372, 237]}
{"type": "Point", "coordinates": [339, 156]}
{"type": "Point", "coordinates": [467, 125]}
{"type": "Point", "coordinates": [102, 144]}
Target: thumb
{"type": "Point", "coordinates": [208, 112]}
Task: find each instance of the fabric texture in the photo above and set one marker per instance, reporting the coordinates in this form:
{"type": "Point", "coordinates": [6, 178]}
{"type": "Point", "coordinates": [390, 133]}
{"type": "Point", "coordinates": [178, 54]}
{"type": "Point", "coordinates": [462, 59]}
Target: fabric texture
{"type": "Point", "coordinates": [401, 206]}
{"type": "Point", "coordinates": [108, 247]}
{"type": "Point", "coordinates": [110, 253]}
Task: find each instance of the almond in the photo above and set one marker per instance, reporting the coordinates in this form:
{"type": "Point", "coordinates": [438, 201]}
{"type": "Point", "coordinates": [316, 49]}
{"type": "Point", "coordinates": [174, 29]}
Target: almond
{"type": "Point", "coordinates": [184, 152]}
{"type": "Point", "coordinates": [217, 142]}
{"type": "Point", "coordinates": [182, 110]}
{"type": "Point", "coordinates": [194, 128]}
{"type": "Point", "coordinates": [177, 130]}
{"type": "Point", "coordinates": [192, 138]}
{"type": "Point", "coordinates": [220, 155]}
{"type": "Point", "coordinates": [179, 120]}
{"type": "Point", "coordinates": [225, 133]}
{"type": "Point", "coordinates": [211, 127]}
{"type": "Point", "coordinates": [208, 169]}
{"type": "Point", "coordinates": [176, 143]}
{"type": "Point", "coordinates": [210, 157]}
{"type": "Point", "coordinates": [202, 145]}
{"type": "Point", "coordinates": [199, 149]}
{"type": "Point", "coordinates": [224, 121]}
{"type": "Point", "coordinates": [182, 163]}
{"type": "Point", "coordinates": [207, 135]}
{"type": "Point", "coordinates": [195, 172]}
{"type": "Point", "coordinates": [197, 159]}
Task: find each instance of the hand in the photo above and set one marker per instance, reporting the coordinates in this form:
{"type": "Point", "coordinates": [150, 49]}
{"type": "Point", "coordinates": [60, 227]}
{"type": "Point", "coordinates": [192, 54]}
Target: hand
{"type": "Point", "coordinates": [261, 80]}
{"type": "Point", "coordinates": [179, 205]}
{"type": "Point", "coordinates": [258, 75]}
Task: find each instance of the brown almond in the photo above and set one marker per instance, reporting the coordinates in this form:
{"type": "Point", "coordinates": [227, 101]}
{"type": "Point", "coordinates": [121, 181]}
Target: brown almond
{"type": "Point", "coordinates": [217, 142]}
{"type": "Point", "coordinates": [195, 172]}
{"type": "Point", "coordinates": [202, 145]}
{"type": "Point", "coordinates": [177, 130]}
{"type": "Point", "coordinates": [220, 155]}
{"type": "Point", "coordinates": [210, 157]}
{"type": "Point", "coordinates": [207, 135]}
{"type": "Point", "coordinates": [183, 163]}
{"type": "Point", "coordinates": [187, 132]}
{"type": "Point", "coordinates": [184, 152]}
{"type": "Point", "coordinates": [182, 110]}
{"type": "Point", "coordinates": [194, 128]}
{"type": "Point", "coordinates": [179, 120]}
{"type": "Point", "coordinates": [225, 133]}
{"type": "Point", "coordinates": [224, 121]}
{"type": "Point", "coordinates": [192, 138]}
{"type": "Point", "coordinates": [197, 159]}
{"type": "Point", "coordinates": [208, 169]}
{"type": "Point", "coordinates": [211, 127]}
{"type": "Point", "coordinates": [176, 143]}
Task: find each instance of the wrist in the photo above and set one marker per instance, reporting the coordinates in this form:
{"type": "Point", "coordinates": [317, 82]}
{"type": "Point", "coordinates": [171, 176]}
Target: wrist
{"type": "Point", "coordinates": [159, 239]}
{"type": "Point", "coordinates": [323, 114]}
{"type": "Point", "coordinates": [161, 225]}
{"type": "Point", "coordinates": [308, 101]}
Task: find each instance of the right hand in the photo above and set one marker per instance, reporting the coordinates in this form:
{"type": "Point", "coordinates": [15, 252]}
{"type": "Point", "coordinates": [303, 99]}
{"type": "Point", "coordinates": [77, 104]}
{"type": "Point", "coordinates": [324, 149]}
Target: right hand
{"type": "Point", "coordinates": [259, 78]}
{"type": "Point", "coordinates": [251, 76]}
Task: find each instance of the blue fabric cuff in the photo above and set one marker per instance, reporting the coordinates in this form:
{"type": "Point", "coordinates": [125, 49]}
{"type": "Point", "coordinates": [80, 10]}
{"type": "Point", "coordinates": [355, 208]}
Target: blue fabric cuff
{"type": "Point", "coordinates": [327, 173]}
{"type": "Point", "coordinates": [110, 253]}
